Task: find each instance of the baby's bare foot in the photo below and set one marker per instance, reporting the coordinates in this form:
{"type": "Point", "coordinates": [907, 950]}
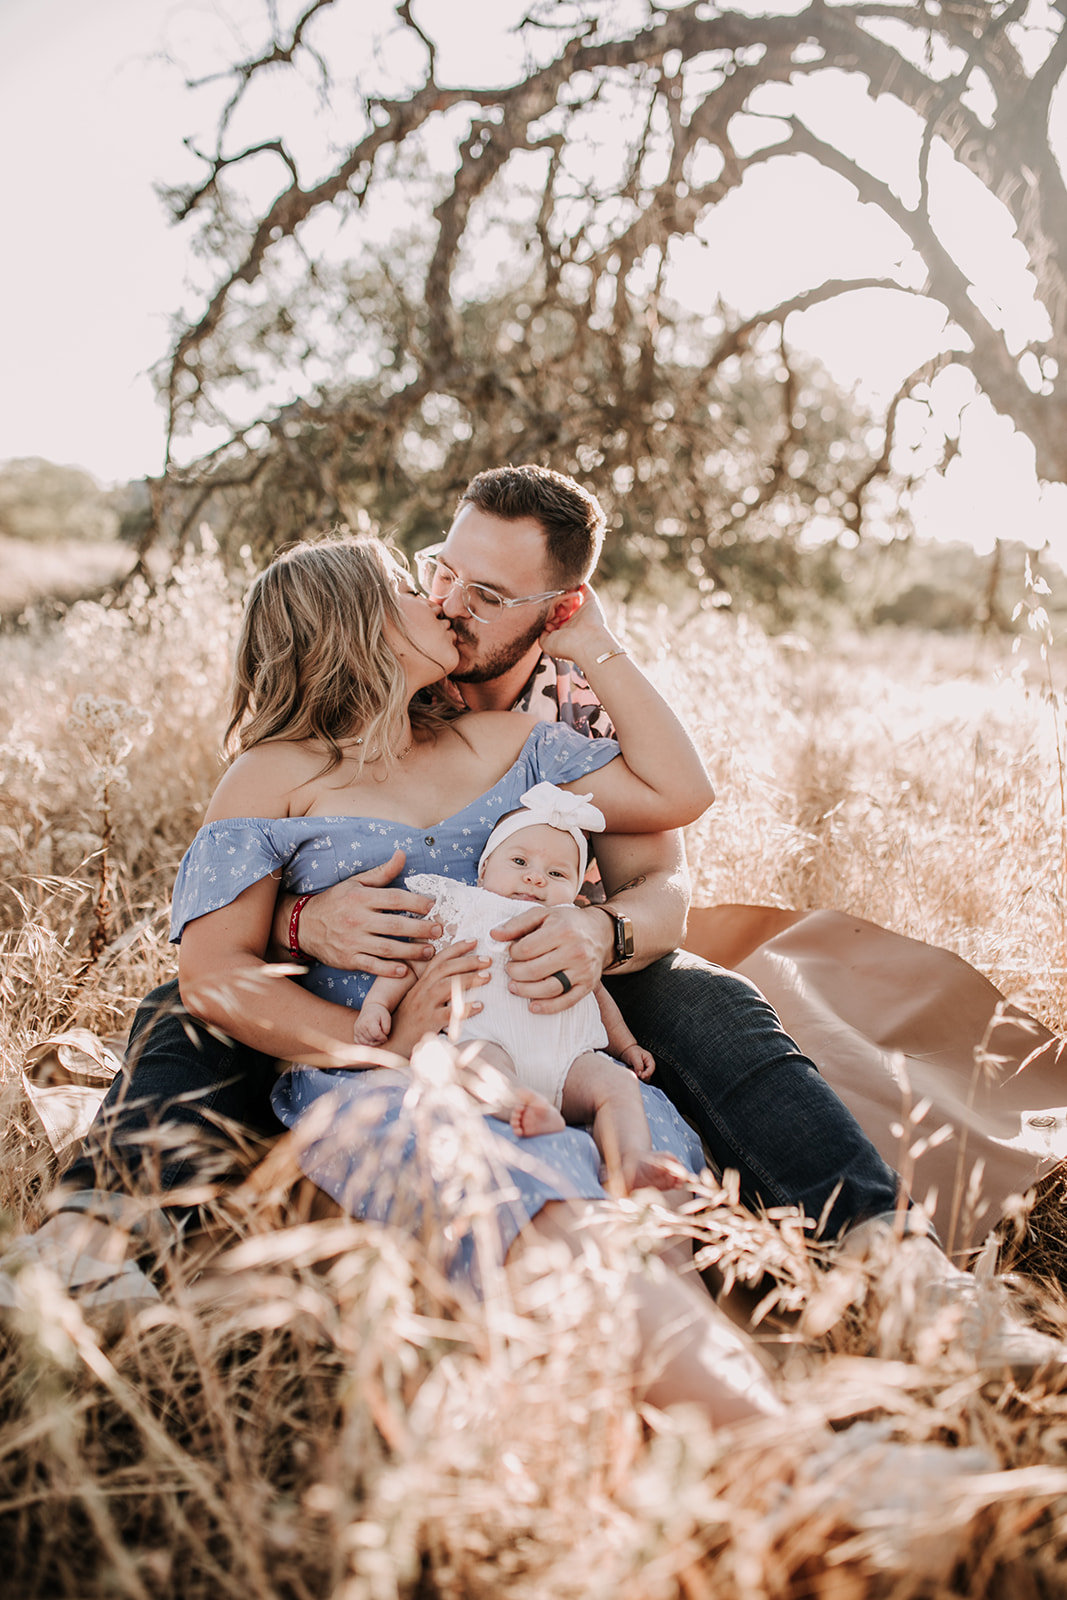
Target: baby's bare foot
{"type": "Point", "coordinates": [653, 1169]}
{"type": "Point", "coordinates": [533, 1115]}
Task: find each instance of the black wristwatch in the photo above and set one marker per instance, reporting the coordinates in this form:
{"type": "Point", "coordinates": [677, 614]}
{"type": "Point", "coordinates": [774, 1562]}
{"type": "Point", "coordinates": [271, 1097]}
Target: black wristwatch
{"type": "Point", "coordinates": [624, 937]}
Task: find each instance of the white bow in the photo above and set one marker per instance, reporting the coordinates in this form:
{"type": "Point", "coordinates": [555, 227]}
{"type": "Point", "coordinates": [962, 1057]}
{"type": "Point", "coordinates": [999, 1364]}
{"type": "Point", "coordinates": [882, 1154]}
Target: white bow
{"type": "Point", "coordinates": [561, 809]}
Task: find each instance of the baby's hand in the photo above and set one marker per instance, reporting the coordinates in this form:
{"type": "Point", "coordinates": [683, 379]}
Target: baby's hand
{"type": "Point", "coordinates": [640, 1060]}
{"type": "Point", "coordinates": [373, 1024]}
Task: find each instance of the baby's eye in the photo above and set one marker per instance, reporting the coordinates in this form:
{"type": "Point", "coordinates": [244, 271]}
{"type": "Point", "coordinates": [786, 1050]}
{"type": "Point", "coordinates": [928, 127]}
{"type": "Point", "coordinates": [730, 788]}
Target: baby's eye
{"type": "Point", "coordinates": [518, 861]}
{"type": "Point", "coordinates": [557, 874]}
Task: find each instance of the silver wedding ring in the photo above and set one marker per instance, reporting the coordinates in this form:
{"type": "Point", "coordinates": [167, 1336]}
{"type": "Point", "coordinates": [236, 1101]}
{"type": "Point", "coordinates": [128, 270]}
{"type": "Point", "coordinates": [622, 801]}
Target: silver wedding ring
{"type": "Point", "coordinates": [565, 981]}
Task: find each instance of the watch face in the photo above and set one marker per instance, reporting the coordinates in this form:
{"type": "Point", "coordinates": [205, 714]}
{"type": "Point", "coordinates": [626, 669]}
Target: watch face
{"type": "Point", "coordinates": [623, 941]}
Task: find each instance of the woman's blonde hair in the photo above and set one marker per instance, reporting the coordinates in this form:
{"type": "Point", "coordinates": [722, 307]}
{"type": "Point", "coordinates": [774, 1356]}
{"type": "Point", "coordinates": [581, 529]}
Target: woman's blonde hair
{"type": "Point", "coordinates": [313, 660]}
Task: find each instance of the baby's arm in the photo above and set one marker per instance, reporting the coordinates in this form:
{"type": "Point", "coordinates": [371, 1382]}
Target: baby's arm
{"type": "Point", "coordinates": [375, 1019]}
{"type": "Point", "coordinates": [621, 1041]}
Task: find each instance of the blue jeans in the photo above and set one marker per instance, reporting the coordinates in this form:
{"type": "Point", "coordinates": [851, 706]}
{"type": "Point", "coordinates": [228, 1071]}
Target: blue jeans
{"type": "Point", "coordinates": [760, 1106]}
{"type": "Point", "coordinates": [188, 1110]}
{"type": "Point", "coordinates": [721, 1053]}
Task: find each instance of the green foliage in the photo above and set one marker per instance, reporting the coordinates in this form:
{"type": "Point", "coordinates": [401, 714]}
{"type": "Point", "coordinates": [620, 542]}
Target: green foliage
{"type": "Point", "coordinates": [950, 587]}
{"type": "Point", "coordinates": [40, 500]}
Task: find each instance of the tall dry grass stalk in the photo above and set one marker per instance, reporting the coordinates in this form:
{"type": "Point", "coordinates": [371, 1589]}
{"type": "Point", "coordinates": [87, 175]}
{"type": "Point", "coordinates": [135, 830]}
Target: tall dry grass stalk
{"type": "Point", "coordinates": [315, 1410]}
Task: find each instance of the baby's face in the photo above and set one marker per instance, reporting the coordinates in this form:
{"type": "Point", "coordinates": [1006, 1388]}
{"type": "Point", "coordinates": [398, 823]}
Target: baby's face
{"type": "Point", "coordinates": [537, 863]}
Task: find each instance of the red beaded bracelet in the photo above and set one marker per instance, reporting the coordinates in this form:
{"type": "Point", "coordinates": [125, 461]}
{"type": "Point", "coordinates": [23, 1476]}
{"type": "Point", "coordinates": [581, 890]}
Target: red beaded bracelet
{"type": "Point", "coordinates": [294, 927]}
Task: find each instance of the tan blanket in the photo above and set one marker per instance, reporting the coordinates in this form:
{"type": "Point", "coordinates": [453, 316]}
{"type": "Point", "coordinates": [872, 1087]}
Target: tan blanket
{"type": "Point", "coordinates": [891, 1022]}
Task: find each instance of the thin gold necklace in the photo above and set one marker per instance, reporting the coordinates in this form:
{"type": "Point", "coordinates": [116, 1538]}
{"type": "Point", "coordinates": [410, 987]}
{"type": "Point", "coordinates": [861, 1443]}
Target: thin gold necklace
{"type": "Point", "coordinates": [375, 755]}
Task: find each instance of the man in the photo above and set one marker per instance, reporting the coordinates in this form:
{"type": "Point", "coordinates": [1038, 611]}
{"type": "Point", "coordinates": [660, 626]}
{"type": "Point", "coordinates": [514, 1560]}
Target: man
{"type": "Point", "coordinates": [513, 565]}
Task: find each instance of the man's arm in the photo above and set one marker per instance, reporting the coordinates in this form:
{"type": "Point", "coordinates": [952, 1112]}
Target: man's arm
{"type": "Point", "coordinates": [646, 879]}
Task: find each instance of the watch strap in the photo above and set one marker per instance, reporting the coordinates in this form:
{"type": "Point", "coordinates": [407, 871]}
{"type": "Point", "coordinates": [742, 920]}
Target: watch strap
{"type": "Point", "coordinates": [623, 937]}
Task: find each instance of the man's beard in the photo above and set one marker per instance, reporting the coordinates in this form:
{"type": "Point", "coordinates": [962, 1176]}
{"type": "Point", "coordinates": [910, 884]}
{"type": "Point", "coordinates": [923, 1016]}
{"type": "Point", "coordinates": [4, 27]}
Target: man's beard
{"type": "Point", "coordinates": [501, 661]}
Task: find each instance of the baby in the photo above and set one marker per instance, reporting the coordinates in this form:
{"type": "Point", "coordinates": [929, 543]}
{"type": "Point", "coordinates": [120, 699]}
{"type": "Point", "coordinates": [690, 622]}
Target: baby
{"type": "Point", "coordinates": [557, 1071]}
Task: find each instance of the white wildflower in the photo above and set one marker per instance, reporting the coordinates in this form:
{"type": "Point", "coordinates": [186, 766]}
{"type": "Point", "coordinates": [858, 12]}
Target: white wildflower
{"type": "Point", "coordinates": [20, 759]}
{"type": "Point", "coordinates": [115, 720]}
{"type": "Point", "coordinates": [108, 729]}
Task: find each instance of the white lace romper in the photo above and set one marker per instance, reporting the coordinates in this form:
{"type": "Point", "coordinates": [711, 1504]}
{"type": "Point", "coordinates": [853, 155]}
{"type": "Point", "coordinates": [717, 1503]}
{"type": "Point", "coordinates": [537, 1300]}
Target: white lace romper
{"type": "Point", "coordinates": [542, 1047]}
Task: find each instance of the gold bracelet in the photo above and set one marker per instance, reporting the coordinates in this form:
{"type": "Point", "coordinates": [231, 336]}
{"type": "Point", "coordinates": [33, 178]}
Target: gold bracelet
{"type": "Point", "coordinates": [608, 655]}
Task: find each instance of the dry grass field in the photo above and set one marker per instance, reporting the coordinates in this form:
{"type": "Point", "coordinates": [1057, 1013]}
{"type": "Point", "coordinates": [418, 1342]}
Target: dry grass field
{"type": "Point", "coordinates": [316, 1415]}
{"type": "Point", "coordinates": [31, 570]}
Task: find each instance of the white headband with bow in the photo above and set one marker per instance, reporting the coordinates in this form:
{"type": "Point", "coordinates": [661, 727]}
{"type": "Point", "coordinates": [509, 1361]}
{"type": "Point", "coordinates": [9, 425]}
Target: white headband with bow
{"type": "Point", "coordinates": [570, 813]}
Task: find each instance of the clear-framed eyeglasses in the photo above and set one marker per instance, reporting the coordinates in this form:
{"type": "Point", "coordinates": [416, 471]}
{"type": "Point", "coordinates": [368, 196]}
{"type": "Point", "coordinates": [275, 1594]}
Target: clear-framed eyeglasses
{"type": "Point", "coordinates": [438, 580]}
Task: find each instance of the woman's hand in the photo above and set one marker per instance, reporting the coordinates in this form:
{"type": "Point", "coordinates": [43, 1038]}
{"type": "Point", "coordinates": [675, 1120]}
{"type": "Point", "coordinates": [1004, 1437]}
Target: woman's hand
{"type": "Point", "coordinates": [427, 1006]}
{"type": "Point", "coordinates": [660, 782]}
{"type": "Point", "coordinates": [581, 636]}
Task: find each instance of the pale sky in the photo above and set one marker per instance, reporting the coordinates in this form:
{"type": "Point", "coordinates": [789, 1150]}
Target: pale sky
{"type": "Point", "coordinates": [90, 271]}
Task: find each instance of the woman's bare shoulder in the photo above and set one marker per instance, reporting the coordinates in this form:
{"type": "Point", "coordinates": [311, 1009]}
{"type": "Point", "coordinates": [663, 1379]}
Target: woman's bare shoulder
{"type": "Point", "coordinates": [493, 729]}
{"type": "Point", "coordinates": [261, 782]}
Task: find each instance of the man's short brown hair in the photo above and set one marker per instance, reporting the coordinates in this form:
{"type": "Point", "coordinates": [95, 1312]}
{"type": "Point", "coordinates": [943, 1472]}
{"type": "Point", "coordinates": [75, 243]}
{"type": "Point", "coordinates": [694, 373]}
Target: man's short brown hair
{"type": "Point", "coordinates": [573, 519]}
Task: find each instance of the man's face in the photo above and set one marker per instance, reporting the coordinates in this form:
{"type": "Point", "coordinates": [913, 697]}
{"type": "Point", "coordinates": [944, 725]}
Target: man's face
{"type": "Point", "coordinates": [510, 557]}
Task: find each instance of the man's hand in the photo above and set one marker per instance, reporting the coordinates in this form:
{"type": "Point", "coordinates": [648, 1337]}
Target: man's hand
{"type": "Point", "coordinates": [358, 925]}
{"type": "Point", "coordinates": [546, 940]}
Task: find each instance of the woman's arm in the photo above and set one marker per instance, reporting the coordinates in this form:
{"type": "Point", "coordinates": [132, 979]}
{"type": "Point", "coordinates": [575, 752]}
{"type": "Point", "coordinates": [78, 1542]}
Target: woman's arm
{"type": "Point", "coordinates": [660, 783]}
{"type": "Point", "coordinates": [225, 981]}
{"type": "Point", "coordinates": [225, 978]}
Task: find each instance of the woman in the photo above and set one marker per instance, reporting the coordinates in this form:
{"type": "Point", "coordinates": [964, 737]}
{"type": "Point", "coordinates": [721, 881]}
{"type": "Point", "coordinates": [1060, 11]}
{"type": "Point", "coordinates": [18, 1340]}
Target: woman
{"type": "Point", "coordinates": [344, 758]}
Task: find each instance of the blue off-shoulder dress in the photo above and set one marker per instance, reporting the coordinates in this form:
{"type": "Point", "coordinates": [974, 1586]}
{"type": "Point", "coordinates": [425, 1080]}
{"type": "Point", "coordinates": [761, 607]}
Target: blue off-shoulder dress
{"type": "Point", "coordinates": [385, 1147]}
